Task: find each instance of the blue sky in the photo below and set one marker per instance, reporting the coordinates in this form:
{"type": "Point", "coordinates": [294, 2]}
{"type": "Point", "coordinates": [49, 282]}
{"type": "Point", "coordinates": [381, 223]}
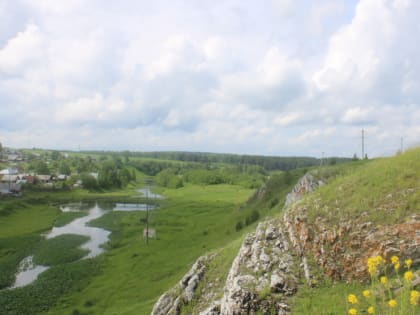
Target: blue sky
{"type": "Point", "coordinates": [272, 77]}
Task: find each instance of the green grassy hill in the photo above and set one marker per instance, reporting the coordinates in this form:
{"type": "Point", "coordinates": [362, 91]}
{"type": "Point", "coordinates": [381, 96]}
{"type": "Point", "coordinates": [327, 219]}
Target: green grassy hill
{"type": "Point", "coordinates": [367, 208]}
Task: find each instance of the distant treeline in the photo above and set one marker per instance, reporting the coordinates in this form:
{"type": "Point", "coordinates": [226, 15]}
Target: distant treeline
{"type": "Point", "coordinates": [268, 163]}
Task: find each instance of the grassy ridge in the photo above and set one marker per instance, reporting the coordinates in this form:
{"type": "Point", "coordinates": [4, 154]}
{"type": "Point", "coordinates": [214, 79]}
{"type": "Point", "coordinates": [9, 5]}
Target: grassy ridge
{"type": "Point", "coordinates": [384, 191]}
{"type": "Point", "coordinates": [388, 185]}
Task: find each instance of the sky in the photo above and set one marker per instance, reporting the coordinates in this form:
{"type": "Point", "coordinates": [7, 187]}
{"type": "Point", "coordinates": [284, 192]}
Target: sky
{"type": "Point", "coordinates": [268, 77]}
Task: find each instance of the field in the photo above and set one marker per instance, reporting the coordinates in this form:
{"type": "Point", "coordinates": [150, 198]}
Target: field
{"type": "Point", "coordinates": [131, 275]}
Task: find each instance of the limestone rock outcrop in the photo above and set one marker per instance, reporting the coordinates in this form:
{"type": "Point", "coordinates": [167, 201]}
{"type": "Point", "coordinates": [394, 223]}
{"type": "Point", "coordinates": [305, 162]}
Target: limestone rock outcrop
{"type": "Point", "coordinates": [262, 275]}
{"type": "Point", "coordinates": [170, 302]}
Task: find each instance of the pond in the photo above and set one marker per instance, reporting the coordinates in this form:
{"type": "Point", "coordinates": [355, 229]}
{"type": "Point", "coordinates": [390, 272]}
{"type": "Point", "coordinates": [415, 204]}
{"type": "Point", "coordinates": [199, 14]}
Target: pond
{"type": "Point", "coordinates": [28, 271]}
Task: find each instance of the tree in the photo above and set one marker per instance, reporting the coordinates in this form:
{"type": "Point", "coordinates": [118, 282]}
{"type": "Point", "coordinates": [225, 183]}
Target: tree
{"type": "Point", "coordinates": [40, 167]}
{"type": "Point", "coordinates": [239, 225]}
{"type": "Point", "coordinates": [55, 155]}
{"type": "Point", "coordinates": [124, 176]}
{"type": "Point", "coordinates": [287, 177]}
{"type": "Point", "coordinates": [64, 168]}
{"type": "Point", "coordinates": [108, 175]}
{"type": "Point", "coordinates": [333, 161]}
{"type": "Point", "coordinates": [89, 182]}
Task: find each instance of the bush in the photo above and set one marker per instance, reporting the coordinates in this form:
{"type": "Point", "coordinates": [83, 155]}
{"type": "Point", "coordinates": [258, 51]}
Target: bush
{"type": "Point", "coordinates": [254, 216]}
{"type": "Point", "coordinates": [89, 182]}
{"type": "Point", "coordinates": [239, 226]}
{"type": "Point", "coordinates": [274, 202]}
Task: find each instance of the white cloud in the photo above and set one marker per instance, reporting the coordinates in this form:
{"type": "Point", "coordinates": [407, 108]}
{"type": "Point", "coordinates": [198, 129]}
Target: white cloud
{"type": "Point", "coordinates": [315, 135]}
{"type": "Point", "coordinates": [283, 78]}
{"type": "Point", "coordinates": [287, 119]}
{"type": "Point", "coordinates": [22, 50]}
{"type": "Point", "coordinates": [87, 109]}
{"type": "Point", "coordinates": [369, 57]}
{"type": "Point", "coordinates": [54, 7]}
{"type": "Point", "coordinates": [276, 68]}
{"type": "Point", "coordinates": [356, 115]}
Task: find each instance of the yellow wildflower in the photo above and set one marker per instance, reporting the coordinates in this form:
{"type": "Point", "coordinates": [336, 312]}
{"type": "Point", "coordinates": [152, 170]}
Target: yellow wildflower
{"type": "Point", "coordinates": [352, 299]}
{"type": "Point", "coordinates": [371, 310]}
{"type": "Point", "coordinates": [366, 293]}
{"type": "Point", "coordinates": [384, 280]}
{"type": "Point", "coordinates": [352, 311]}
{"type": "Point", "coordinates": [408, 263]}
{"type": "Point", "coordinates": [408, 275]}
{"type": "Point", "coordinates": [392, 303]}
{"type": "Point", "coordinates": [395, 260]}
{"type": "Point", "coordinates": [397, 266]}
{"type": "Point", "coordinates": [414, 297]}
{"type": "Point", "coordinates": [374, 263]}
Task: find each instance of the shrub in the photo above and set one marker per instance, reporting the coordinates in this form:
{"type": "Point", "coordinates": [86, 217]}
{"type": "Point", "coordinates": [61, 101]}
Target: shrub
{"type": "Point", "coordinates": [239, 226]}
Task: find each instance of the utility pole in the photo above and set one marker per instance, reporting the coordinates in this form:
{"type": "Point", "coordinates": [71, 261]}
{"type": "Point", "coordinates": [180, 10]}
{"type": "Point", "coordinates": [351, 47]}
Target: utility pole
{"type": "Point", "coordinates": [147, 214]}
{"type": "Point", "coordinates": [363, 144]}
{"type": "Point", "coordinates": [148, 183]}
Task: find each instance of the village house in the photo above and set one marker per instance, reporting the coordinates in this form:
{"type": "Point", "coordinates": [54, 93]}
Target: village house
{"type": "Point", "coordinates": [44, 179]}
{"type": "Point", "coordinates": [9, 185]}
{"type": "Point", "coordinates": [62, 177]}
{"type": "Point", "coordinates": [10, 178]}
{"type": "Point", "coordinates": [14, 158]}
{"type": "Point", "coordinates": [9, 171]}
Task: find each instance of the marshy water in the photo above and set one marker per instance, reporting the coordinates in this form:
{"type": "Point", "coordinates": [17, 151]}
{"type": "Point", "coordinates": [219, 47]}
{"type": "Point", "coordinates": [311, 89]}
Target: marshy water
{"type": "Point", "coordinates": [28, 271]}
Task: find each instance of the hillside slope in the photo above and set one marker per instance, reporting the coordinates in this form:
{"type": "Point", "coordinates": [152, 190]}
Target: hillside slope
{"type": "Point", "coordinates": [362, 209]}
{"type": "Point", "coordinates": [372, 210]}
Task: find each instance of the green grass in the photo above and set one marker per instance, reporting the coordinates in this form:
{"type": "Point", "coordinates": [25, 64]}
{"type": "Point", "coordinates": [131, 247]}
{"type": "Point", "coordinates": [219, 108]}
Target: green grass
{"type": "Point", "coordinates": [385, 190]}
{"type": "Point", "coordinates": [25, 218]}
{"type": "Point", "coordinates": [66, 217]}
{"type": "Point", "coordinates": [60, 249]}
{"type": "Point", "coordinates": [324, 300]}
{"type": "Point", "coordinates": [12, 251]}
{"type": "Point", "coordinates": [50, 285]}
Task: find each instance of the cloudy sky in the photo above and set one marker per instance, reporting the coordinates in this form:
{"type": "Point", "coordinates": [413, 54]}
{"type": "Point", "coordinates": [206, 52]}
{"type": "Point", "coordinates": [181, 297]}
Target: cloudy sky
{"type": "Point", "coordinates": [272, 77]}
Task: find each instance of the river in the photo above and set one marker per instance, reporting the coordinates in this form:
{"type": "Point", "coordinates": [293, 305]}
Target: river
{"type": "Point", "coordinates": [28, 271]}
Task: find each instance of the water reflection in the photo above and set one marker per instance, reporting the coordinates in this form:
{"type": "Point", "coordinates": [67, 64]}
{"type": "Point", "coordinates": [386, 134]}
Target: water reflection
{"type": "Point", "coordinates": [147, 193]}
{"type": "Point", "coordinates": [27, 272]}
{"type": "Point", "coordinates": [98, 236]}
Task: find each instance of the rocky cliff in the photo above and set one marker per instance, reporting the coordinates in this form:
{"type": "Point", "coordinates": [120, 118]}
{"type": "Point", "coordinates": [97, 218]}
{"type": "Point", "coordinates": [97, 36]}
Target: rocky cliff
{"type": "Point", "coordinates": [264, 274]}
{"type": "Point", "coordinates": [283, 252]}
